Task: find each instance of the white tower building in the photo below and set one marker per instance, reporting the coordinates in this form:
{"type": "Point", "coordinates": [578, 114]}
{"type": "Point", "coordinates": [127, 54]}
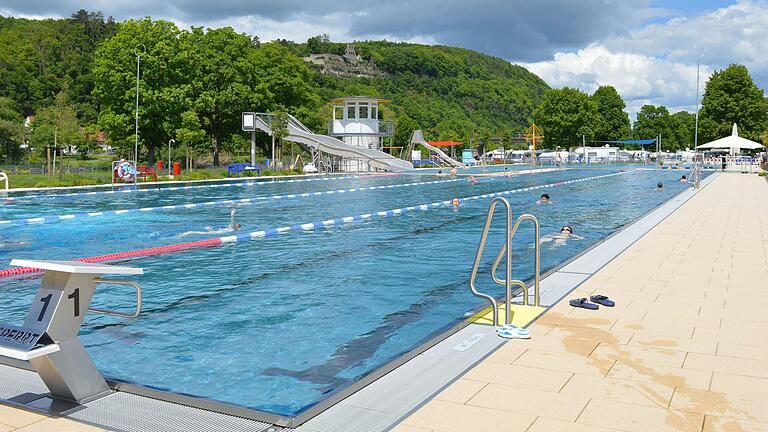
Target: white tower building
{"type": "Point", "coordinates": [356, 122]}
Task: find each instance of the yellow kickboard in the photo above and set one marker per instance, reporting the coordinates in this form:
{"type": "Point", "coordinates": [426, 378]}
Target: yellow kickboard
{"type": "Point", "coordinates": [521, 315]}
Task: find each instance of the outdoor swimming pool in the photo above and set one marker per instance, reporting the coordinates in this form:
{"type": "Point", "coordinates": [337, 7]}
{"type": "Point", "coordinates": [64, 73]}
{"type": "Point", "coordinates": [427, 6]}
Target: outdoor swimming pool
{"type": "Point", "coordinates": [280, 323]}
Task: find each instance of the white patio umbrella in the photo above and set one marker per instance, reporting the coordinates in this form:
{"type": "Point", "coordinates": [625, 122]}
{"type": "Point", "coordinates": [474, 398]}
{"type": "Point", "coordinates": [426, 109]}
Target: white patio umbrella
{"type": "Point", "coordinates": [733, 143]}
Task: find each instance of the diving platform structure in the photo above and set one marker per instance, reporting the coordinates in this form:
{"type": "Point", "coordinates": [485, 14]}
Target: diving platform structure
{"type": "Point", "coordinates": [354, 140]}
{"type": "Point", "coordinates": [48, 338]}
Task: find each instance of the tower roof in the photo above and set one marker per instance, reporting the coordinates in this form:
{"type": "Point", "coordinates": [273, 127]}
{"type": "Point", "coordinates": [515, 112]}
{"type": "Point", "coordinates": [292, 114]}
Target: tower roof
{"type": "Point", "coordinates": [361, 99]}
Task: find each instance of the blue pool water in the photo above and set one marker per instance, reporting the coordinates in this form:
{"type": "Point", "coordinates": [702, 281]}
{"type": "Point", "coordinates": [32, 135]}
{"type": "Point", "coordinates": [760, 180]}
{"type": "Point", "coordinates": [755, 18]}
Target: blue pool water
{"type": "Point", "coordinates": [279, 324]}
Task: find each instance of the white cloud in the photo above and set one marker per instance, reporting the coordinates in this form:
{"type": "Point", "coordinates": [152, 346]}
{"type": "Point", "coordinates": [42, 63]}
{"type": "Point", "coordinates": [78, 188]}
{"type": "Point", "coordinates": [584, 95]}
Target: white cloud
{"type": "Point", "coordinates": [640, 79]}
{"type": "Point", "coordinates": [656, 63]}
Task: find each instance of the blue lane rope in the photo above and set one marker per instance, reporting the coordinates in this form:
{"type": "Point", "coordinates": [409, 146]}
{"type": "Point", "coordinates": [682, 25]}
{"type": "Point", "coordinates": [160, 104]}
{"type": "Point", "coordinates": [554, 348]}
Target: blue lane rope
{"type": "Point", "coordinates": [60, 218]}
{"type": "Point", "coordinates": [272, 232]}
{"type": "Point", "coordinates": [310, 226]}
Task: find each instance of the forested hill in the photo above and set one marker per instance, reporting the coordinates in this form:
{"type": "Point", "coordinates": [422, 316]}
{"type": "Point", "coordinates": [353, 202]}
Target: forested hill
{"type": "Point", "coordinates": [450, 92]}
{"type": "Point", "coordinates": [40, 58]}
{"type": "Point", "coordinates": [195, 83]}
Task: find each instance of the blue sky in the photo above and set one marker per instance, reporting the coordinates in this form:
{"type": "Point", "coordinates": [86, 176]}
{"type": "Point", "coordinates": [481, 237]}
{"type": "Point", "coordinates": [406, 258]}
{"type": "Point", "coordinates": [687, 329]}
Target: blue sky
{"type": "Point", "coordinates": [647, 49]}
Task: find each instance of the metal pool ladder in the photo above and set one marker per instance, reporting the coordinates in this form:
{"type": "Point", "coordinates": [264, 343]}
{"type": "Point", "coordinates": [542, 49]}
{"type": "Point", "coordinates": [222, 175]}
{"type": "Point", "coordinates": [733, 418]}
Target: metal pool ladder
{"type": "Point", "coordinates": [506, 250]}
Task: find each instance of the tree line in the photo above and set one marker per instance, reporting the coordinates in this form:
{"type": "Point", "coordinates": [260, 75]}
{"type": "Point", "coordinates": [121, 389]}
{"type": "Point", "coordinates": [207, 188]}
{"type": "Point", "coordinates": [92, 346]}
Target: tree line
{"type": "Point", "coordinates": [77, 76]}
{"type": "Point", "coordinates": [730, 96]}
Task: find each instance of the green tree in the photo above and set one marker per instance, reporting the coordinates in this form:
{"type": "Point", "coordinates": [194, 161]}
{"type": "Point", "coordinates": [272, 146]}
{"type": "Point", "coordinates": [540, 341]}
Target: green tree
{"type": "Point", "coordinates": [613, 121]}
{"type": "Point", "coordinates": [279, 126]}
{"type": "Point", "coordinates": [190, 134]}
{"type": "Point", "coordinates": [223, 81]}
{"type": "Point", "coordinates": [683, 126]}
{"type": "Point", "coordinates": [564, 115]}
{"type": "Point", "coordinates": [56, 124]}
{"type": "Point", "coordinates": [10, 129]}
{"type": "Point", "coordinates": [283, 78]}
{"type": "Point", "coordinates": [653, 121]}
{"type": "Point", "coordinates": [732, 97]}
{"type": "Point", "coordinates": [164, 84]}
{"type": "Point", "coordinates": [320, 44]}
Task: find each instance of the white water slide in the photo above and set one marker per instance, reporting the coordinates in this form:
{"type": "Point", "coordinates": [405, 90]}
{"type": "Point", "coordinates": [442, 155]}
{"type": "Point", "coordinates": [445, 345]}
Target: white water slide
{"type": "Point", "coordinates": [299, 133]}
{"type": "Point", "coordinates": [418, 138]}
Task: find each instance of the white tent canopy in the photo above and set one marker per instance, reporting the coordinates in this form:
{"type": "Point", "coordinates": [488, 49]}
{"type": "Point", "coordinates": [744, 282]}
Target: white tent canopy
{"type": "Point", "coordinates": [734, 143]}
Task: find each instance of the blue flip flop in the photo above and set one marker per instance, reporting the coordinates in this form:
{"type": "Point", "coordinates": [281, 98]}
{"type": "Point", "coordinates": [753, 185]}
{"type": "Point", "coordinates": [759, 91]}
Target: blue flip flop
{"type": "Point", "coordinates": [515, 328]}
{"type": "Point", "coordinates": [583, 303]}
{"type": "Point", "coordinates": [603, 300]}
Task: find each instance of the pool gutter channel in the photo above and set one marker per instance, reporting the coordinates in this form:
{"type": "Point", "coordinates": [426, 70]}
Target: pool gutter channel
{"type": "Point", "coordinates": [332, 408]}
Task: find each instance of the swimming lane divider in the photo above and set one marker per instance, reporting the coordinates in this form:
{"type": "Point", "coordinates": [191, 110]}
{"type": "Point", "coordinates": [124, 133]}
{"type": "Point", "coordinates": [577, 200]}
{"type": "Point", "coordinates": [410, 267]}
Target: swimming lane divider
{"type": "Point", "coordinates": [59, 218]}
{"type": "Point", "coordinates": [311, 226]}
{"type": "Point", "coordinates": [177, 188]}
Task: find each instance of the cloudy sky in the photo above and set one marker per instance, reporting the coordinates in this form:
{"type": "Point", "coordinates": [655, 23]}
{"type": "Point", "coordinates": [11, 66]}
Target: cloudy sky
{"type": "Point", "coordinates": [647, 49]}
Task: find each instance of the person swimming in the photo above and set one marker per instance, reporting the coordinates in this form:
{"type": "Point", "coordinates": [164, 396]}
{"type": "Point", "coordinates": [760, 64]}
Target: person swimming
{"type": "Point", "coordinates": [8, 244]}
{"type": "Point", "coordinates": [440, 173]}
{"type": "Point", "coordinates": [472, 179]}
{"type": "Point", "coordinates": [659, 186]}
{"type": "Point", "coordinates": [454, 172]}
{"type": "Point", "coordinates": [561, 239]}
{"type": "Point", "coordinates": [683, 179]}
{"type": "Point", "coordinates": [544, 199]}
{"type": "Point", "coordinates": [455, 202]}
{"type": "Point", "coordinates": [233, 226]}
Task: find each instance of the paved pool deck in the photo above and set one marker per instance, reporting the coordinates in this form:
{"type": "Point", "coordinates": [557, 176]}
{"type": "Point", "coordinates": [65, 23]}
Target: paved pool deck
{"type": "Point", "coordinates": [685, 348]}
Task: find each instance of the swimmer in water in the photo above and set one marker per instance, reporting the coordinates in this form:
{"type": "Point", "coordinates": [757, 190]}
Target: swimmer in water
{"type": "Point", "coordinates": [454, 172]}
{"type": "Point", "coordinates": [456, 202]}
{"type": "Point", "coordinates": [683, 179]}
{"type": "Point", "coordinates": [557, 240]}
{"type": "Point", "coordinates": [472, 179]}
{"type": "Point", "coordinates": [8, 244]}
{"type": "Point", "coordinates": [659, 186]}
{"type": "Point", "coordinates": [440, 173]}
{"type": "Point", "coordinates": [233, 226]}
{"type": "Point", "coordinates": [544, 199]}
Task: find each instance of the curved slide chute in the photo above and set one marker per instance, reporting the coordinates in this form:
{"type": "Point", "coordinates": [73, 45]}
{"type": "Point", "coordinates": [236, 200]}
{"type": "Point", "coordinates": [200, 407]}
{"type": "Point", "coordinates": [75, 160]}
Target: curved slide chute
{"type": "Point", "coordinates": [299, 133]}
{"type": "Point", "coordinates": [418, 138]}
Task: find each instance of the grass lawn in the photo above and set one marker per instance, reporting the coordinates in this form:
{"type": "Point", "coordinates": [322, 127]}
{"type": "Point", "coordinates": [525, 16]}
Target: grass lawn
{"type": "Point", "coordinates": [102, 175]}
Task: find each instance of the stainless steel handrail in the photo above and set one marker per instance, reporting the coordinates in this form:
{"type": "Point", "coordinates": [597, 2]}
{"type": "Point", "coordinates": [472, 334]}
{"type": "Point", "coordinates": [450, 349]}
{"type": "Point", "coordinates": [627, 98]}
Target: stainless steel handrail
{"type": "Point", "coordinates": [479, 256]}
{"type": "Point", "coordinates": [537, 263]}
{"type": "Point", "coordinates": [506, 249]}
{"type": "Point", "coordinates": [116, 313]}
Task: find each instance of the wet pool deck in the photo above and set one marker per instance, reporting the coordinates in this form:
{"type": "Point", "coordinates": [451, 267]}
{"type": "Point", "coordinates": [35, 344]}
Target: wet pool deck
{"type": "Point", "coordinates": [685, 348]}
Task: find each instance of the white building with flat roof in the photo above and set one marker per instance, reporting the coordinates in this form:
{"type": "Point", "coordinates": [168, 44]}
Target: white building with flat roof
{"type": "Point", "coordinates": [356, 122]}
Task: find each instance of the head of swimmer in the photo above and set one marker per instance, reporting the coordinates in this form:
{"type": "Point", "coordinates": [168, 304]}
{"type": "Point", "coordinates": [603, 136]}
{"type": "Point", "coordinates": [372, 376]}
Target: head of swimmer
{"type": "Point", "coordinates": [659, 185]}
{"type": "Point", "coordinates": [455, 202]}
{"type": "Point", "coordinates": [544, 199]}
{"type": "Point", "coordinates": [566, 230]}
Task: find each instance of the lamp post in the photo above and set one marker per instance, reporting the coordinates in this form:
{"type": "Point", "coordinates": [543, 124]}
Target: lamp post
{"type": "Point", "coordinates": [696, 133]}
{"type": "Point", "coordinates": [169, 154]}
{"type": "Point", "coordinates": [138, 50]}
